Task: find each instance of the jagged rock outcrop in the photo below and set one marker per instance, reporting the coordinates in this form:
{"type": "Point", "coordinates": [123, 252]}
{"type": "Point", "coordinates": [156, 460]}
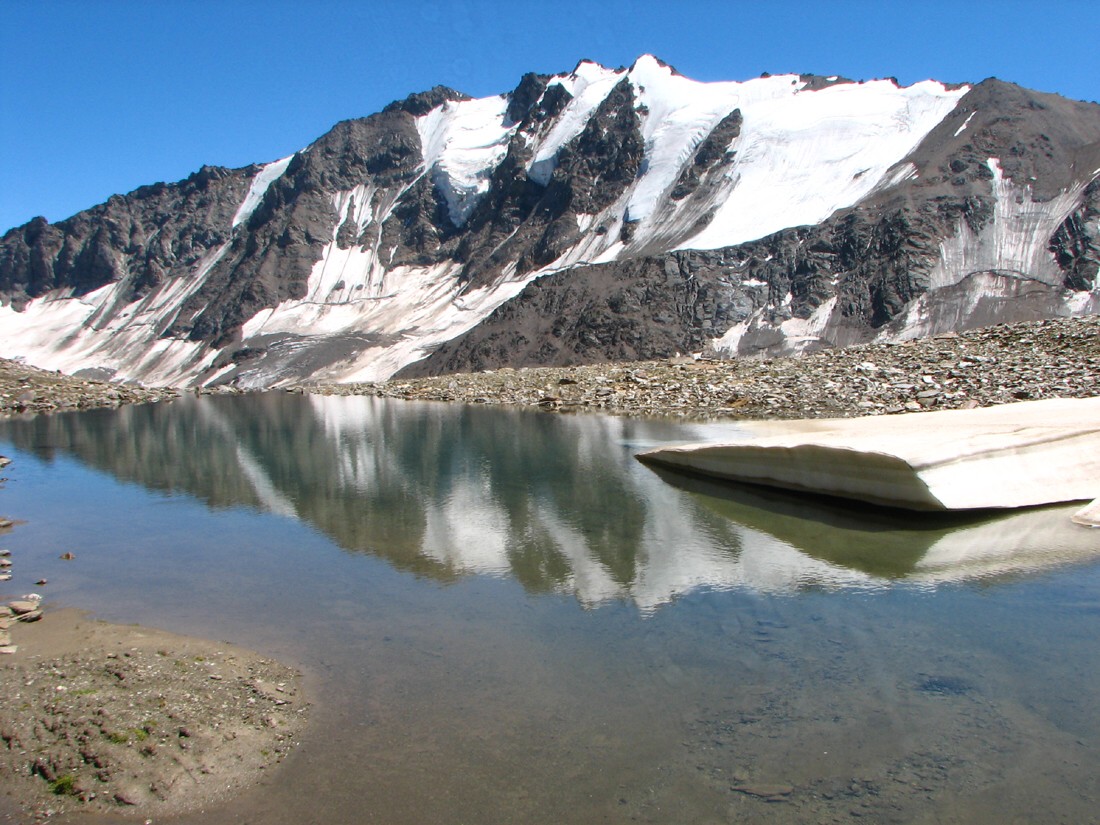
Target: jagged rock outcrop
{"type": "Point", "coordinates": [594, 215]}
{"type": "Point", "coordinates": [154, 233]}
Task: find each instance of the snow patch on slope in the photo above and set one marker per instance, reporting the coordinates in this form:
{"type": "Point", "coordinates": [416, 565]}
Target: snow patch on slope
{"type": "Point", "coordinates": [105, 330]}
{"type": "Point", "coordinates": [802, 155]}
{"type": "Point", "coordinates": [1015, 241]}
{"type": "Point", "coordinates": [755, 333]}
{"type": "Point", "coordinates": [678, 114]}
{"type": "Point", "coordinates": [101, 330]}
{"type": "Point", "coordinates": [260, 184]}
{"type": "Point", "coordinates": [463, 142]}
{"type": "Point", "coordinates": [589, 84]}
{"type": "Point", "coordinates": [53, 332]}
{"type": "Point", "coordinates": [966, 123]}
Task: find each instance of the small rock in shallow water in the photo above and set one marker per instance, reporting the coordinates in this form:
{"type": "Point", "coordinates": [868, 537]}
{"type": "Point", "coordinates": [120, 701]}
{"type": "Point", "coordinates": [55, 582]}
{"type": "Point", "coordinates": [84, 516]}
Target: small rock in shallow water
{"type": "Point", "coordinates": [127, 797]}
{"type": "Point", "coordinates": [763, 790]}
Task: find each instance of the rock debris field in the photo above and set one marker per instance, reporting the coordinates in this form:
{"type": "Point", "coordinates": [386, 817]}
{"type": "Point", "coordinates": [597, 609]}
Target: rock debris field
{"type": "Point", "coordinates": [1001, 364]}
{"type": "Point", "coordinates": [26, 389]}
{"type": "Point", "coordinates": [1057, 358]}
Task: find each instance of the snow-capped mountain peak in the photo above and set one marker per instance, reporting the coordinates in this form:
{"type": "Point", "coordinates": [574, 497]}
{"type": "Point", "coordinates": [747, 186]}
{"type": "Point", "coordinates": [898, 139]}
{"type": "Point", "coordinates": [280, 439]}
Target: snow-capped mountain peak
{"type": "Point", "coordinates": [599, 213]}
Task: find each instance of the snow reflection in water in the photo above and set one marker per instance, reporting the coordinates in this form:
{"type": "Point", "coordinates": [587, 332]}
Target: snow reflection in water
{"type": "Point", "coordinates": [508, 609]}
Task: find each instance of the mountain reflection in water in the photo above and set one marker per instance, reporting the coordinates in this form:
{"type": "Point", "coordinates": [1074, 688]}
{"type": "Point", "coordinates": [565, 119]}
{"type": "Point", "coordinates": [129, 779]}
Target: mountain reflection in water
{"type": "Point", "coordinates": [556, 502]}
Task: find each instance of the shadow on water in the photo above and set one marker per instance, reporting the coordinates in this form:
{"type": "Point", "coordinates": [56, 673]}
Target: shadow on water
{"type": "Point", "coordinates": [899, 544]}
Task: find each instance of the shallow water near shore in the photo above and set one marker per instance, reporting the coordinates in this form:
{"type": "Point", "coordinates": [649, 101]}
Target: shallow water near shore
{"type": "Point", "coordinates": [504, 617]}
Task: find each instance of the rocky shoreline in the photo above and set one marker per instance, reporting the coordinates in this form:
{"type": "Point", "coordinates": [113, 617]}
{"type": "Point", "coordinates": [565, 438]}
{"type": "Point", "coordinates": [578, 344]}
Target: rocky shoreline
{"type": "Point", "coordinates": [25, 389]}
{"type": "Point", "coordinates": [104, 717]}
{"type": "Point", "coordinates": [1013, 362]}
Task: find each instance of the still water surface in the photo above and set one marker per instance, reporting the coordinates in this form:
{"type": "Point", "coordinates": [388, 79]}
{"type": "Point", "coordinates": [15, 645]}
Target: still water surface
{"type": "Point", "coordinates": [505, 618]}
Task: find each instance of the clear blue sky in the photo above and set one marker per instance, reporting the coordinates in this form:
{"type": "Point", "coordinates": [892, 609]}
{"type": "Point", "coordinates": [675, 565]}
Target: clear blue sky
{"type": "Point", "coordinates": [102, 96]}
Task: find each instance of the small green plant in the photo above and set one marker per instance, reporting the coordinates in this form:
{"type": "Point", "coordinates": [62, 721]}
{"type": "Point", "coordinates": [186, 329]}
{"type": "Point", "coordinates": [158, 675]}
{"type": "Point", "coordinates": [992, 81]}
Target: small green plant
{"type": "Point", "coordinates": [140, 734]}
{"type": "Point", "coordinates": [64, 785]}
{"type": "Point", "coordinates": [118, 737]}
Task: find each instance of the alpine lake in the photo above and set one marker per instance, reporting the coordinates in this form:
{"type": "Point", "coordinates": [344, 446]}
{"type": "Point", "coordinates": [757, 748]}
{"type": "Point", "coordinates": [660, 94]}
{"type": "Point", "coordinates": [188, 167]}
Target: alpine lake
{"type": "Point", "coordinates": [504, 617]}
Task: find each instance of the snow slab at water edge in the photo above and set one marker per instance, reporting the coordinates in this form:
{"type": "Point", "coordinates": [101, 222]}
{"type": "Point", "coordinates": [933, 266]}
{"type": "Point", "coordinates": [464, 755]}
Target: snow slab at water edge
{"type": "Point", "coordinates": [463, 142]}
{"type": "Point", "coordinates": [1013, 455]}
{"type": "Point", "coordinates": [802, 155]}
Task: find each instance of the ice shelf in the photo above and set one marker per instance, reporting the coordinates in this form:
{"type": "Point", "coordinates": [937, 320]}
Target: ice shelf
{"type": "Point", "coordinates": [1013, 455]}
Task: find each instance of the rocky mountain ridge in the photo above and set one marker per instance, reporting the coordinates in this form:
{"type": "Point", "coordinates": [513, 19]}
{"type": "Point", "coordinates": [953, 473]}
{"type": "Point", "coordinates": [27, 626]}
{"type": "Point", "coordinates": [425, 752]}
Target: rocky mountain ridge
{"type": "Point", "coordinates": [602, 214]}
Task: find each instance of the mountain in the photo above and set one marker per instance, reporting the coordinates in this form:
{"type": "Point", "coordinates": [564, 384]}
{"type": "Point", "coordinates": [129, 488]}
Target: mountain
{"type": "Point", "coordinates": [596, 215]}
